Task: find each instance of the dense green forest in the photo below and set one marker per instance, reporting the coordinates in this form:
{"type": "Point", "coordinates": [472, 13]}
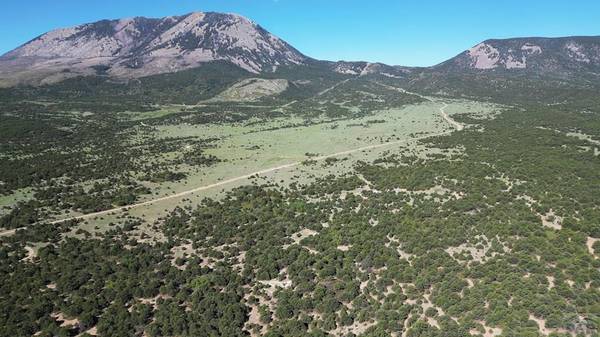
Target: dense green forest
{"type": "Point", "coordinates": [500, 237]}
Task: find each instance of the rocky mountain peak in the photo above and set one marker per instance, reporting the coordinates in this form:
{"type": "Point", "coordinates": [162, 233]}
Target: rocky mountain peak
{"type": "Point", "coordinates": [134, 47]}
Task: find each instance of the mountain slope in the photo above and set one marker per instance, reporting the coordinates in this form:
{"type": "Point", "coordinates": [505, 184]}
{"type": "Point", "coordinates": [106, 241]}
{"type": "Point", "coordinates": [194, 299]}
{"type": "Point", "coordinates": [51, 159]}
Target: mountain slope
{"type": "Point", "coordinates": [540, 55]}
{"type": "Point", "coordinates": [141, 47]}
{"type": "Point", "coordinates": [137, 47]}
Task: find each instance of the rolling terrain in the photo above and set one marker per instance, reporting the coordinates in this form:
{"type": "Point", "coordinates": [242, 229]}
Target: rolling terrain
{"type": "Point", "coordinates": [198, 176]}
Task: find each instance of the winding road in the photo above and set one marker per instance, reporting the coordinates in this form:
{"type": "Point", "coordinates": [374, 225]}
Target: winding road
{"type": "Point", "coordinates": [456, 126]}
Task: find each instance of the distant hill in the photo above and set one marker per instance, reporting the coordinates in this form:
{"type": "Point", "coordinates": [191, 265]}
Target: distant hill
{"type": "Point", "coordinates": [541, 55]}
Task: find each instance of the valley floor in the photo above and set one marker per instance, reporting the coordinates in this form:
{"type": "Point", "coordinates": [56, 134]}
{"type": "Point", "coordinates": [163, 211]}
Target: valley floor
{"type": "Point", "coordinates": [443, 218]}
{"type": "Point", "coordinates": [396, 128]}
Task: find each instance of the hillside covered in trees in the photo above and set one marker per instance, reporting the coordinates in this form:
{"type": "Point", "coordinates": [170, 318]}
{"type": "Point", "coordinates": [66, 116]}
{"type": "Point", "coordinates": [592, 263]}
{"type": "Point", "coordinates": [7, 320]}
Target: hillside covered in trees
{"type": "Point", "coordinates": [500, 237]}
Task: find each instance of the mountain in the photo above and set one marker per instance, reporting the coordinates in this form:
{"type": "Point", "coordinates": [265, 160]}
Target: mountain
{"type": "Point", "coordinates": [141, 47]}
{"type": "Point", "coordinates": [137, 47]}
{"type": "Point", "coordinates": [555, 56]}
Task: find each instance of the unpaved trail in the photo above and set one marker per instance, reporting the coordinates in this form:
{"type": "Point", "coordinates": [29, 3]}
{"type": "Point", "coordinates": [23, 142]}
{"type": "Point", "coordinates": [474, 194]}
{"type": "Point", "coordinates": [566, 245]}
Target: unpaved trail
{"type": "Point", "coordinates": [8, 232]}
{"type": "Point", "coordinates": [177, 195]}
{"type": "Point", "coordinates": [332, 87]}
{"type": "Point", "coordinates": [288, 104]}
{"type": "Point", "coordinates": [458, 126]}
{"type": "Point", "coordinates": [318, 94]}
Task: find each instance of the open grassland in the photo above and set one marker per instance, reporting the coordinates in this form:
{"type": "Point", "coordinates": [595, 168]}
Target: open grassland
{"type": "Point", "coordinates": [6, 201]}
{"type": "Point", "coordinates": [160, 159]}
{"type": "Point", "coordinates": [248, 147]}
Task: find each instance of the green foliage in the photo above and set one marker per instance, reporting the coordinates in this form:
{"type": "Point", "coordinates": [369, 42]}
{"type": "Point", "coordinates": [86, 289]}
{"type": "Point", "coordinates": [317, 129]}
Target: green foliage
{"type": "Point", "coordinates": [437, 245]}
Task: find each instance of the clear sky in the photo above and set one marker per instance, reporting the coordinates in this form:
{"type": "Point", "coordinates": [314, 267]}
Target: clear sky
{"type": "Point", "coordinates": [412, 33]}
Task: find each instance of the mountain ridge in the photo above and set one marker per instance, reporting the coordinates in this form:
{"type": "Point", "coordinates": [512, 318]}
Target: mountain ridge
{"type": "Point", "coordinates": [139, 46]}
{"type": "Point", "coordinates": [557, 55]}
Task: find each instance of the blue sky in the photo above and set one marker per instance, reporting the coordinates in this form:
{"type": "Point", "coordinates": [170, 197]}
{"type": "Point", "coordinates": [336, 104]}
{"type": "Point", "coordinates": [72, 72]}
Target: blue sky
{"type": "Point", "coordinates": [414, 33]}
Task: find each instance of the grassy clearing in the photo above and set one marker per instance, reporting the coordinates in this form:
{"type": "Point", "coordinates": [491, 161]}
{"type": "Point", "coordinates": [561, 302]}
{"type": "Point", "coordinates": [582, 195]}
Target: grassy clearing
{"type": "Point", "coordinates": [142, 115]}
{"type": "Point", "coordinates": [473, 109]}
{"type": "Point", "coordinates": [249, 147]}
{"type": "Point", "coordinates": [246, 149]}
{"type": "Point", "coordinates": [11, 199]}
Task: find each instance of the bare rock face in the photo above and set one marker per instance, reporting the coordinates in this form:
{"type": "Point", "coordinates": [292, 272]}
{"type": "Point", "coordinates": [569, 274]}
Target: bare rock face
{"type": "Point", "coordinates": [251, 89]}
{"type": "Point", "coordinates": [542, 55]}
{"type": "Point", "coordinates": [136, 47]}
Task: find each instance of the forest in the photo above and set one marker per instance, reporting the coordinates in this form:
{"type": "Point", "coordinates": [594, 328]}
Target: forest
{"type": "Point", "coordinates": [499, 237]}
